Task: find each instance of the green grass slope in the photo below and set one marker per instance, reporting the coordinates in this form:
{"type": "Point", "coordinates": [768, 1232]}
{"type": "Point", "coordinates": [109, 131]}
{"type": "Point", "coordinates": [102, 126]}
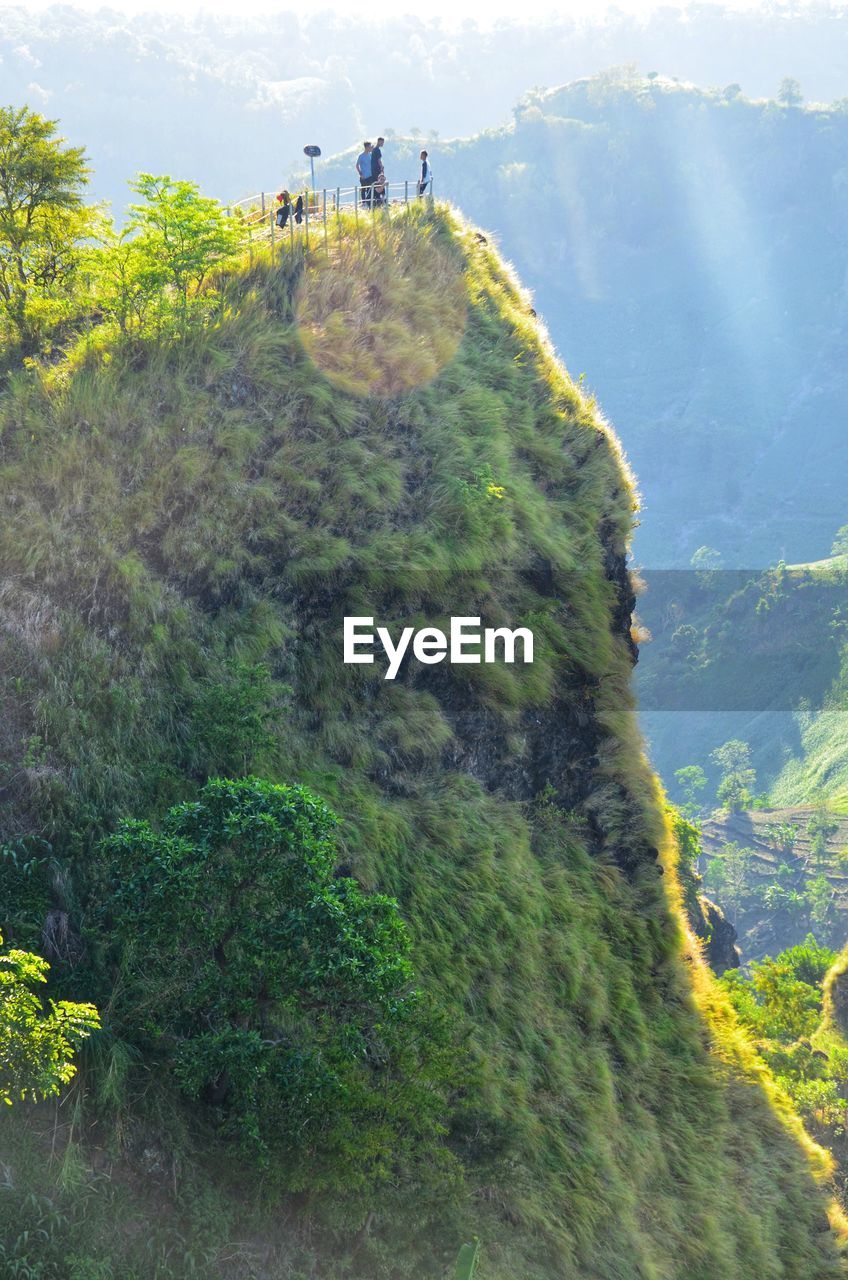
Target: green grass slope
{"type": "Point", "coordinates": [819, 769]}
{"type": "Point", "coordinates": [174, 516]}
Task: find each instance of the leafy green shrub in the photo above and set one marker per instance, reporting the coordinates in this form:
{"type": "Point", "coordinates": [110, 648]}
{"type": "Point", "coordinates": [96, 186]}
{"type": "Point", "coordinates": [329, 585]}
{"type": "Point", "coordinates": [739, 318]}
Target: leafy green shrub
{"type": "Point", "coordinates": [277, 993]}
{"type": "Point", "coordinates": [782, 999]}
{"type": "Point", "coordinates": [156, 269]}
{"type": "Point", "coordinates": [36, 1047]}
{"type": "Point", "coordinates": [782, 835]}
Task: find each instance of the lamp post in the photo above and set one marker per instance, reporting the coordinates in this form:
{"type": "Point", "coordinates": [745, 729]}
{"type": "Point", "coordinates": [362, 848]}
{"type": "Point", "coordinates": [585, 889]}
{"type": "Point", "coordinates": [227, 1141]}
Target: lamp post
{"type": "Point", "coordinates": [312, 151]}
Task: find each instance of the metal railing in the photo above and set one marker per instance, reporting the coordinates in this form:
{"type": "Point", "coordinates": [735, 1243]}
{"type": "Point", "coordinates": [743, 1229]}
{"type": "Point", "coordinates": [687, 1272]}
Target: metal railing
{"type": "Point", "coordinates": [319, 207]}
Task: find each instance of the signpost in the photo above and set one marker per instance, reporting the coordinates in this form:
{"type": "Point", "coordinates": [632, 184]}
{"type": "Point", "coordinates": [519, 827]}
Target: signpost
{"type": "Point", "coordinates": [312, 151]}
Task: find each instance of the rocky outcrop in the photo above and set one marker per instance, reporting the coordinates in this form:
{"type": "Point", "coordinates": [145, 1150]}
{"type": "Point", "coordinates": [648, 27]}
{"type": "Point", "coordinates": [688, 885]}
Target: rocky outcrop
{"type": "Point", "coordinates": [719, 935]}
{"type": "Point", "coordinates": [836, 993]}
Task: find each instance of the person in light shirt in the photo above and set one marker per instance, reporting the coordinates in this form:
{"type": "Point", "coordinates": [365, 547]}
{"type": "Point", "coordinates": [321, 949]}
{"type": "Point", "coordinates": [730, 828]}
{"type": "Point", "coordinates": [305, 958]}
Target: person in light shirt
{"type": "Point", "coordinates": [365, 169]}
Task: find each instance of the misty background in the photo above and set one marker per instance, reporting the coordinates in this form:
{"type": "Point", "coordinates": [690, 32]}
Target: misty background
{"type": "Point", "coordinates": [230, 101]}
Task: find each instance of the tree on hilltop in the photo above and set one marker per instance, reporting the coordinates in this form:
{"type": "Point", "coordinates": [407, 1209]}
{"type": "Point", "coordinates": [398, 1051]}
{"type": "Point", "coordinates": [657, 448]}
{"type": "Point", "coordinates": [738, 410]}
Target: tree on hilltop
{"type": "Point", "coordinates": [153, 274]}
{"type": "Point", "coordinates": [840, 542]}
{"type": "Point", "coordinates": [789, 93]}
{"type": "Point", "coordinates": [42, 219]}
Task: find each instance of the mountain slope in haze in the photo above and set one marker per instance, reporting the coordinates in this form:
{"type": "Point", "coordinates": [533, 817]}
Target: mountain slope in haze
{"type": "Point", "coordinates": [340, 443]}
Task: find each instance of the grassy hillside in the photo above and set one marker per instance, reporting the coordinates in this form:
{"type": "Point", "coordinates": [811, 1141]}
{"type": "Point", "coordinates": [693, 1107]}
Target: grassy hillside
{"type": "Point", "coordinates": [185, 525]}
{"type": "Point", "coordinates": [820, 767]}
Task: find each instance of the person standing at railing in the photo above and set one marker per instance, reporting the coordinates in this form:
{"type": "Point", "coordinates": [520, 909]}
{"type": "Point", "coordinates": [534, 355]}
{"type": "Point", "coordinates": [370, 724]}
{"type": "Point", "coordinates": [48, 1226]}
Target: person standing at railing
{"type": "Point", "coordinates": [425, 177]}
{"type": "Point", "coordinates": [378, 169]}
{"type": "Point", "coordinates": [365, 169]}
{"type": "Point", "coordinates": [284, 206]}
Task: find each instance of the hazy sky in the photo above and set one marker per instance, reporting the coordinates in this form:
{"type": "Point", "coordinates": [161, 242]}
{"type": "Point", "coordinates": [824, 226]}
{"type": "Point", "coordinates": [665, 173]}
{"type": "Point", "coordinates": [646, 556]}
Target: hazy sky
{"type": "Point", "coordinates": [446, 10]}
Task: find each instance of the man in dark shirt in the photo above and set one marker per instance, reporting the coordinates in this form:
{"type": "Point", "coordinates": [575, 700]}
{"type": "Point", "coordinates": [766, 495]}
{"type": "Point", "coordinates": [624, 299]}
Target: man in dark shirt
{"type": "Point", "coordinates": [379, 194]}
{"type": "Point", "coordinates": [425, 177]}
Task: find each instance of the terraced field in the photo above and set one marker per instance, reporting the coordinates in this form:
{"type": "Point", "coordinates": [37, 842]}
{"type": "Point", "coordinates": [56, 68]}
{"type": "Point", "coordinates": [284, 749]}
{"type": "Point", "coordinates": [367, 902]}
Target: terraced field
{"type": "Point", "coordinates": [780, 851]}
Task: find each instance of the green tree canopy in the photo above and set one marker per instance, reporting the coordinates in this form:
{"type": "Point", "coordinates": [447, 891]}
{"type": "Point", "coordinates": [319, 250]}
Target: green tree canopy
{"type": "Point", "coordinates": [789, 92]}
{"type": "Point", "coordinates": [42, 218]}
{"type": "Point", "coordinates": [782, 999]}
{"type": "Point", "coordinates": [736, 887]}
{"type": "Point", "coordinates": [277, 992]}
{"type": "Point", "coordinates": [179, 237]}
{"type": "Point", "coordinates": [840, 542]}
{"type": "Point", "coordinates": [36, 1045]}
{"type": "Point", "coordinates": [737, 775]}
{"type": "Point", "coordinates": [692, 780]}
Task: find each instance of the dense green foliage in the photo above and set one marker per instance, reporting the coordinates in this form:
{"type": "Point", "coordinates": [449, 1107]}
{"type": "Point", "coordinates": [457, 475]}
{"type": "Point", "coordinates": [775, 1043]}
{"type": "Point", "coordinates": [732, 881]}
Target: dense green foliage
{"type": "Point", "coordinates": [788, 1003]}
{"type": "Point", "coordinates": [193, 516]}
{"type": "Point", "coordinates": [273, 991]}
{"type": "Point", "coordinates": [36, 1046]}
{"type": "Point", "coordinates": [63, 264]}
{"type": "Point", "coordinates": [153, 271]}
{"type": "Point", "coordinates": [781, 999]}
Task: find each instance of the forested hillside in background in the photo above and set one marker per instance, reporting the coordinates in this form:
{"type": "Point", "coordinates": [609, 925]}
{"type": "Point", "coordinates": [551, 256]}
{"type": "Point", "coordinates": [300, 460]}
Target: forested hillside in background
{"type": "Point", "coordinates": [760, 658]}
{"type": "Point", "coordinates": [231, 101]}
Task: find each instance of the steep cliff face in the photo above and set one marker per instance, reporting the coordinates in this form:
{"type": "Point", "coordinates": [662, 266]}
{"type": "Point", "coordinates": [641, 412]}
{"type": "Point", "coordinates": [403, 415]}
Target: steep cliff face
{"type": "Point", "coordinates": [346, 443]}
